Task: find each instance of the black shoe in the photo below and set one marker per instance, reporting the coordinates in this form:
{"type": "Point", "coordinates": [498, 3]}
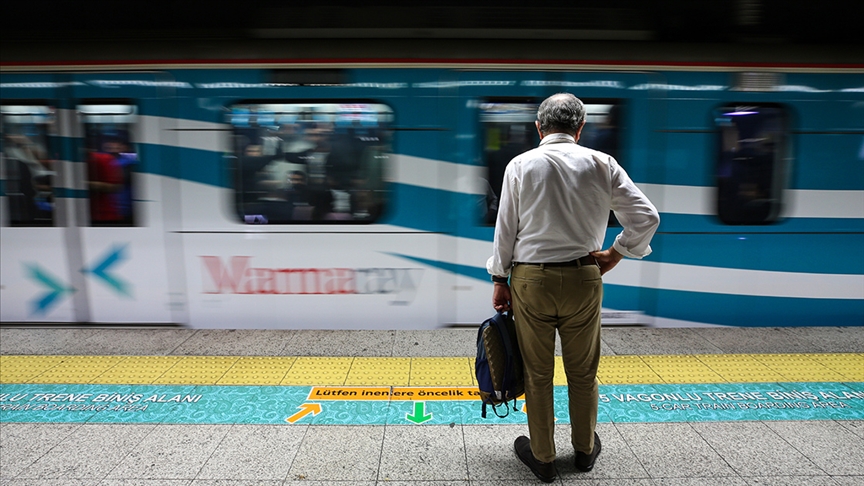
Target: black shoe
{"type": "Point", "coordinates": [545, 471]}
{"type": "Point", "coordinates": [585, 462]}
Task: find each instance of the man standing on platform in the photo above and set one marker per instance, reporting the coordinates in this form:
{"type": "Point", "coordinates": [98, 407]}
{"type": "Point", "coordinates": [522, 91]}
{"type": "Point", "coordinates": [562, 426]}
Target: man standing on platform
{"type": "Point", "coordinates": [552, 218]}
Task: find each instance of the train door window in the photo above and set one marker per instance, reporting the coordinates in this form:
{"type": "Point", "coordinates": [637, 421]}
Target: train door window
{"type": "Point", "coordinates": [302, 163]}
{"type": "Point", "coordinates": [111, 157]}
{"type": "Point", "coordinates": [508, 130]}
{"type": "Point", "coordinates": [28, 163]}
{"type": "Point", "coordinates": [602, 132]}
{"type": "Point", "coordinates": [752, 163]}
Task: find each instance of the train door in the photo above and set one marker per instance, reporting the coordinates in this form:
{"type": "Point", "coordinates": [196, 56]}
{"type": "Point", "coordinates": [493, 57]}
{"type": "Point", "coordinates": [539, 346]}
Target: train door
{"type": "Point", "coordinates": [493, 123]}
{"type": "Point", "coordinates": [36, 284]}
{"type": "Point", "coordinates": [622, 111]}
{"type": "Point", "coordinates": [120, 127]}
{"type": "Point", "coordinates": [502, 110]}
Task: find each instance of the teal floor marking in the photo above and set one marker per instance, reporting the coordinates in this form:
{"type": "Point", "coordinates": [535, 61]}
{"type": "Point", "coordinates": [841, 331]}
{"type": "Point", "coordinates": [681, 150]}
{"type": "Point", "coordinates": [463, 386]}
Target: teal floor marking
{"type": "Point", "coordinates": [288, 405]}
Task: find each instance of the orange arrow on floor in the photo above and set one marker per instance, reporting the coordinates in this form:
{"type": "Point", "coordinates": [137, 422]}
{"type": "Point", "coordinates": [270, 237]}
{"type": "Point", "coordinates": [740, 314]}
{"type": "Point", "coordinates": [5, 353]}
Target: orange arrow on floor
{"type": "Point", "coordinates": [305, 409]}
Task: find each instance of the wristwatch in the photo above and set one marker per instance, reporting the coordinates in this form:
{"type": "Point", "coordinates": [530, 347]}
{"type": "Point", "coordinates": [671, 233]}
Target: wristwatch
{"type": "Point", "coordinates": [500, 279]}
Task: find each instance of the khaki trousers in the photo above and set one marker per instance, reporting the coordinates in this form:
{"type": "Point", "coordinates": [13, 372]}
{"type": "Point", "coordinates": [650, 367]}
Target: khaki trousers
{"type": "Point", "coordinates": [566, 299]}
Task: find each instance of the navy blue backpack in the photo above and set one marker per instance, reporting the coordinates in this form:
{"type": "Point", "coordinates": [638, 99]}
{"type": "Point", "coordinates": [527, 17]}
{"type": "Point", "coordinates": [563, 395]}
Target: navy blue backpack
{"type": "Point", "coordinates": [499, 363]}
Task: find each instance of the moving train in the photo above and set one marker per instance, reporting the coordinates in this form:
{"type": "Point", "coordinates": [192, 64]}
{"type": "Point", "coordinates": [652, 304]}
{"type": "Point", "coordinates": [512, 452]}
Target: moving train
{"type": "Point", "coordinates": [362, 194]}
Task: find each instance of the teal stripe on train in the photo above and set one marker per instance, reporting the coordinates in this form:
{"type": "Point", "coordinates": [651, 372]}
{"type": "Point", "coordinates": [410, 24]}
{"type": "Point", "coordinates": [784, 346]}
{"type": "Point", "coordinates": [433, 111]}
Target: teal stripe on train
{"type": "Point", "coordinates": [725, 309]}
{"type": "Point", "coordinates": [459, 214]}
{"type": "Point", "coordinates": [792, 246]}
{"type": "Point", "coordinates": [751, 311]}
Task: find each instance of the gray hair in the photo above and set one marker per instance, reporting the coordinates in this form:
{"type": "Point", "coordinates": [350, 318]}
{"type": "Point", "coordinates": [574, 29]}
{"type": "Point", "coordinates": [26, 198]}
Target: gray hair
{"type": "Point", "coordinates": [561, 112]}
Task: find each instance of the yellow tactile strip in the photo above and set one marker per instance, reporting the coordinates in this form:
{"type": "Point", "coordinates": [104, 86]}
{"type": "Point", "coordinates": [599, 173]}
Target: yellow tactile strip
{"type": "Point", "coordinates": [359, 371]}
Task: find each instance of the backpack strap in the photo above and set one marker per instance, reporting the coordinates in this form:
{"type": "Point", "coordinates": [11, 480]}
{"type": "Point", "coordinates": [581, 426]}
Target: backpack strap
{"type": "Point", "coordinates": [495, 409]}
{"type": "Point", "coordinates": [501, 324]}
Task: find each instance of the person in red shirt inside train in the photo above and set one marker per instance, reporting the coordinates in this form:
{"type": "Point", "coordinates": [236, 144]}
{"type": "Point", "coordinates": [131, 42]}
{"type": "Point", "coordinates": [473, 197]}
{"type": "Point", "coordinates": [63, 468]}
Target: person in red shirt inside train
{"type": "Point", "coordinates": [105, 181]}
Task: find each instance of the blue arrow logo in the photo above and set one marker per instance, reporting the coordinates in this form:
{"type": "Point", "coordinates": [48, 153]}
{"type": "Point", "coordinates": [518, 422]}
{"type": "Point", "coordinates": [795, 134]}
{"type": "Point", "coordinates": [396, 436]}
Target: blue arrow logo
{"type": "Point", "coordinates": [100, 270]}
{"type": "Point", "coordinates": [55, 289]}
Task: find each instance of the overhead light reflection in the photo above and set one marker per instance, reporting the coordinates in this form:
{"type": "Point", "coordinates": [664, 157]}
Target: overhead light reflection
{"type": "Point", "coordinates": [114, 83]}
{"type": "Point", "coordinates": [575, 84]}
{"type": "Point", "coordinates": [793, 88]}
{"type": "Point", "coordinates": [462, 84]}
{"type": "Point", "coordinates": [228, 85]}
{"type": "Point", "coordinates": [40, 85]}
{"type": "Point", "coordinates": [679, 87]}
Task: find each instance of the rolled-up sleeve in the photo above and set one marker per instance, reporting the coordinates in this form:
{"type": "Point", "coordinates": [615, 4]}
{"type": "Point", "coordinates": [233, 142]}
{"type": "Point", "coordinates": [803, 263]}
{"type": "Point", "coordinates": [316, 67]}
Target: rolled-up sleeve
{"type": "Point", "coordinates": [637, 216]}
{"type": "Point", "coordinates": [506, 226]}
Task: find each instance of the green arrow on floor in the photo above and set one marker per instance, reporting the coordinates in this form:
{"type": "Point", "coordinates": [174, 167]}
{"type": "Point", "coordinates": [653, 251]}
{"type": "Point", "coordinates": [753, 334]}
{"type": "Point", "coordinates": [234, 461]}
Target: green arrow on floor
{"type": "Point", "coordinates": [419, 415]}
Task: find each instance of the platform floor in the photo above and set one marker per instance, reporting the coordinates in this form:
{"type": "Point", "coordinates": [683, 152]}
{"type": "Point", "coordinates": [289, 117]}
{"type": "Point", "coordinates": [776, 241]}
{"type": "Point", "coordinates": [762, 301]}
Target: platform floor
{"type": "Point", "coordinates": [683, 406]}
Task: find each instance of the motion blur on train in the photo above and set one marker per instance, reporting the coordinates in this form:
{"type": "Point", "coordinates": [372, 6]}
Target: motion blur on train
{"type": "Point", "coordinates": [364, 196]}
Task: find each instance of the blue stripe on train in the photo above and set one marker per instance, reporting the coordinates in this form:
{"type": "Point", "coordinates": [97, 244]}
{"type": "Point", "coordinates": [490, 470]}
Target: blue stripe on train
{"type": "Point", "coordinates": [687, 223]}
{"type": "Point", "coordinates": [699, 223]}
{"type": "Point", "coordinates": [725, 309]}
{"type": "Point", "coordinates": [478, 273]}
{"type": "Point", "coordinates": [702, 239]}
{"type": "Point", "coordinates": [705, 242]}
{"type": "Point", "coordinates": [712, 244]}
{"type": "Point", "coordinates": [746, 310]}
{"type": "Point", "coordinates": [459, 213]}
{"type": "Point", "coordinates": [800, 252]}
{"type": "Point", "coordinates": [193, 165]}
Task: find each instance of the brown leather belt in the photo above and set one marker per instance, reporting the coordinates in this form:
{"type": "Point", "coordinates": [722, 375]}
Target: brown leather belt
{"type": "Point", "coordinates": [579, 262]}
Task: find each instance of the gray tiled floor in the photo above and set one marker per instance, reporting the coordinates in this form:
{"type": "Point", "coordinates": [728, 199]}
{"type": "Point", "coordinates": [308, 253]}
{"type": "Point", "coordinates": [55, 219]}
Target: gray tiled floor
{"type": "Point", "coordinates": [674, 450]}
{"type": "Point", "coordinates": [339, 453]}
{"type": "Point", "coordinates": [753, 449]}
{"type": "Point", "coordinates": [171, 452]}
{"type": "Point", "coordinates": [650, 454]}
{"type": "Point", "coordinates": [86, 453]}
{"type": "Point", "coordinates": [441, 342]}
{"type": "Point", "coordinates": [640, 454]}
{"type": "Point", "coordinates": [658, 341]}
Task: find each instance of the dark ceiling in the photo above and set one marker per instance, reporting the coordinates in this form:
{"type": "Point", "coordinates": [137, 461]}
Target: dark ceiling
{"type": "Point", "coordinates": [753, 21]}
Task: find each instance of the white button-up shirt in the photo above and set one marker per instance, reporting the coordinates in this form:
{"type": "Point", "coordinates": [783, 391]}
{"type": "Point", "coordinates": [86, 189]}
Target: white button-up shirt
{"type": "Point", "coordinates": [555, 204]}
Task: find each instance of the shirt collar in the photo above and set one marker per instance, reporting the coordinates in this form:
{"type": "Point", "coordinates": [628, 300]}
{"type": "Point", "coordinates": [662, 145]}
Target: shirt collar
{"type": "Point", "coordinates": [557, 138]}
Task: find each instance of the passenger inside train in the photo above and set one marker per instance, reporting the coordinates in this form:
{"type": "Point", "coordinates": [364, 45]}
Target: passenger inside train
{"type": "Point", "coordinates": [316, 162]}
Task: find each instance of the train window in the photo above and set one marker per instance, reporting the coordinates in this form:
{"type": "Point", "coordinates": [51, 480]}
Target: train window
{"type": "Point", "coordinates": [752, 163]}
{"type": "Point", "coordinates": [111, 157]}
{"type": "Point", "coordinates": [310, 162]}
{"type": "Point", "coordinates": [508, 130]}
{"type": "Point", "coordinates": [28, 164]}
